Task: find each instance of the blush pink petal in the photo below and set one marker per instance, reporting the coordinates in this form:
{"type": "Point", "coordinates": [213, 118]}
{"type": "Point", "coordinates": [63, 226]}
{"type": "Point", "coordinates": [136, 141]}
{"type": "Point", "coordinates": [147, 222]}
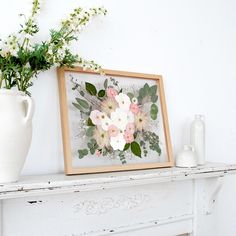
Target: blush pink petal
{"type": "Point", "coordinates": [98, 153]}
{"type": "Point", "coordinates": [130, 128]}
{"type": "Point", "coordinates": [129, 138]}
{"type": "Point", "coordinates": [113, 131]}
{"type": "Point", "coordinates": [111, 92]}
{"type": "Point", "coordinates": [134, 108]}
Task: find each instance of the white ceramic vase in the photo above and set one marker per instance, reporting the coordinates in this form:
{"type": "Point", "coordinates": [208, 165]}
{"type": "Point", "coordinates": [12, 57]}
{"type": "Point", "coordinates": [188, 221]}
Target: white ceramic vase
{"type": "Point", "coordinates": [187, 157]}
{"type": "Point", "coordinates": [16, 112]}
{"type": "Point", "coordinates": [197, 136]}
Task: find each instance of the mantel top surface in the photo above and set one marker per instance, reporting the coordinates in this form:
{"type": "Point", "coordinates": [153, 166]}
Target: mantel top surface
{"type": "Point", "coordinates": [59, 183]}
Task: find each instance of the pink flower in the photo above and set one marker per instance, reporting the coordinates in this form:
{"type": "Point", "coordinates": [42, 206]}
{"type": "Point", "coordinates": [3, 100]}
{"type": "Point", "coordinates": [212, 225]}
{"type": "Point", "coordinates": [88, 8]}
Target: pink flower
{"type": "Point", "coordinates": [134, 108]}
{"type": "Point", "coordinates": [129, 138]}
{"type": "Point", "coordinates": [130, 128]}
{"type": "Point", "coordinates": [95, 117]}
{"type": "Point", "coordinates": [113, 131]}
{"type": "Point", "coordinates": [98, 153]}
{"type": "Point", "coordinates": [111, 92]}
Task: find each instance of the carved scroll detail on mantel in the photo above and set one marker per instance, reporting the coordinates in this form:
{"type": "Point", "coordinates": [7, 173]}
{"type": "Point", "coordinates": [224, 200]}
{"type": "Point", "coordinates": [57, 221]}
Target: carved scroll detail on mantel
{"type": "Point", "coordinates": [123, 202]}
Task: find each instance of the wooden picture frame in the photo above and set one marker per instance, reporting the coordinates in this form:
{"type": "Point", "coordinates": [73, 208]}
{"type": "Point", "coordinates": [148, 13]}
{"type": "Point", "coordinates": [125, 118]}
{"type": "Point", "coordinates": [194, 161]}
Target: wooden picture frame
{"type": "Point", "coordinates": [70, 169]}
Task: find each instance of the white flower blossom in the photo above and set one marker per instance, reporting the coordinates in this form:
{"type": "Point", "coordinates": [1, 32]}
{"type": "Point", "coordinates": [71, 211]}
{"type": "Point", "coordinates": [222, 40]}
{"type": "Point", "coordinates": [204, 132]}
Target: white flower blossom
{"type": "Point", "coordinates": [10, 46]}
{"type": "Point", "coordinates": [123, 101]}
{"type": "Point", "coordinates": [119, 118]}
{"type": "Point", "coordinates": [118, 142]}
{"type": "Point", "coordinates": [105, 120]}
{"type": "Point", "coordinates": [130, 117]}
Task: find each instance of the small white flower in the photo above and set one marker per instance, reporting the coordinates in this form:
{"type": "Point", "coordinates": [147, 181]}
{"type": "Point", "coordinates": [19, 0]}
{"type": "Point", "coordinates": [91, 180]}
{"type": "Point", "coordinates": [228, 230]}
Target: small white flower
{"type": "Point", "coordinates": [130, 117]}
{"type": "Point", "coordinates": [105, 120]}
{"type": "Point", "coordinates": [118, 142]}
{"type": "Point", "coordinates": [27, 65]}
{"type": "Point", "coordinates": [134, 100]}
{"type": "Point", "coordinates": [50, 52]}
{"type": "Point", "coordinates": [14, 52]}
{"type": "Point", "coordinates": [119, 118]}
{"type": "Point", "coordinates": [28, 36]}
{"type": "Point", "coordinates": [123, 101]}
{"type": "Point", "coordinates": [95, 117]}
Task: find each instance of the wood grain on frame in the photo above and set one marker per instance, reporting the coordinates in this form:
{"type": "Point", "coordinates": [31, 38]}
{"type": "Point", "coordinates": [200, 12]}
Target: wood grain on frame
{"type": "Point", "coordinates": [69, 169]}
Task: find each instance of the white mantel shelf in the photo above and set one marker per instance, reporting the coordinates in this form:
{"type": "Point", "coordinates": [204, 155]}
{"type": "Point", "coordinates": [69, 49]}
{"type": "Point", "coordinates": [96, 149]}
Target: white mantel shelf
{"type": "Point", "coordinates": [59, 183]}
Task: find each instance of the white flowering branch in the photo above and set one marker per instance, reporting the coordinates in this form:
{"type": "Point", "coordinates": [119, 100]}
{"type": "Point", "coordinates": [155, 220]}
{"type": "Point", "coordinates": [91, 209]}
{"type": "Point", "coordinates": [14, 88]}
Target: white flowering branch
{"type": "Point", "coordinates": [20, 60]}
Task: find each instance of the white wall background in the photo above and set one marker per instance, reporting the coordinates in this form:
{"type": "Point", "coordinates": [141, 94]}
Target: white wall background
{"type": "Point", "coordinates": [191, 43]}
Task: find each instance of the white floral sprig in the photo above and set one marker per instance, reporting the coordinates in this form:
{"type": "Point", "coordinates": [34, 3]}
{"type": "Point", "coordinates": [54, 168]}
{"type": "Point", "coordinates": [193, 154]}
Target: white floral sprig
{"type": "Point", "coordinates": [21, 60]}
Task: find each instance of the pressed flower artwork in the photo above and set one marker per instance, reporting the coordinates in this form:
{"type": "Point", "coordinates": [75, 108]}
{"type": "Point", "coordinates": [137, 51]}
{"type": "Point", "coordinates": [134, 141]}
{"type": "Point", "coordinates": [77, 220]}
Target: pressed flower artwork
{"type": "Point", "coordinates": [113, 121]}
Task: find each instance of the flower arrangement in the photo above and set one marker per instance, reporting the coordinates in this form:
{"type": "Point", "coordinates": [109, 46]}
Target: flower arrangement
{"type": "Point", "coordinates": [117, 122]}
{"type": "Point", "coordinates": [21, 60]}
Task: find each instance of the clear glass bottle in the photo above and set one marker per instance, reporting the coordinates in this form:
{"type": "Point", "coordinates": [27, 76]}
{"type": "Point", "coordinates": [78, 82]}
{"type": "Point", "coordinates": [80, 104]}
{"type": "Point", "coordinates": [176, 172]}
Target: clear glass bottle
{"type": "Point", "coordinates": [197, 138]}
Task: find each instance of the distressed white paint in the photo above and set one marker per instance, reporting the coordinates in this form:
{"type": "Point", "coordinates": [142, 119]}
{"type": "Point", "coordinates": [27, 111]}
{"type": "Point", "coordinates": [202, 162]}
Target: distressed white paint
{"type": "Point", "coordinates": [103, 212]}
{"type": "Point", "coordinates": [54, 184]}
{"type": "Point", "coordinates": [164, 202]}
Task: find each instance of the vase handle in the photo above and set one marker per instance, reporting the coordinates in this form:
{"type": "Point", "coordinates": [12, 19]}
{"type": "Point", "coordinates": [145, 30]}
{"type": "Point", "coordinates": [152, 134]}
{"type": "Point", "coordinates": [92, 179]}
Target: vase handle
{"type": "Point", "coordinates": [30, 109]}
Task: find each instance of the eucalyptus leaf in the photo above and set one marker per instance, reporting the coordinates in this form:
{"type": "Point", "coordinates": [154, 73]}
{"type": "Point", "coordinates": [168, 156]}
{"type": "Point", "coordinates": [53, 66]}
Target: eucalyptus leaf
{"type": "Point", "coordinates": [90, 88]}
{"type": "Point", "coordinates": [77, 106]}
{"type": "Point", "coordinates": [154, 108]}
{"type": "Point", "coordinates": [83, 103]}
{"type": "Point", "coordinates": [135, 148]}
{"type": "Point", "coordinates": [154, 116]}
{"type": "Point", "coordinates": [105, 83]}
{"type": "Point", "coordinates": [153, 111]}
{"type": "Point", "coordinates": [81, 93]}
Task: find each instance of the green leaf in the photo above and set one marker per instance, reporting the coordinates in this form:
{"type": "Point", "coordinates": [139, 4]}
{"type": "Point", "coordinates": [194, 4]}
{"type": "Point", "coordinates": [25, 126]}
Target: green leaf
{"type": "Point", "coordinates": [135, 148]}
{"type": "Point", "coordinates": [92, 150]}
{"type": "Point", "coordinates": [154, 116]}
{"type": "Point", "coordinates": [105, 83]}
{"type": "Point", "coordinates": [90, 88]}
{"type": "Point", "coordinates": [90, 131]}
{"type": "Point", "coordinates": [101, 93]}
{"type": "Point", "coordinates": [93, 141]}
{"type": "Point", "coordinates": [130, 95]}
{"type": "Point", "coordinates": [153, 111]}
{"type": "Point", "coordinates": [82, 103]}
{"type": "Point", "coordinates": [77, 106]}
{"type": "Point", "coordinates": [82, 153]}
{"type": "Point", "coordinates": [154, 98]}
{"type": "Point", "coordinates": [81, 93]}
{"type": "Point", "coordinates": [146, 88]}
{"type": "Point", "coordinates": [153, 90]}
{"type": "Point", "coordinates": [89, 122]}
{"type": "Point", "coordinates": [127, 145]}
{"type": "Point", "coordinates": [141, 93]}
